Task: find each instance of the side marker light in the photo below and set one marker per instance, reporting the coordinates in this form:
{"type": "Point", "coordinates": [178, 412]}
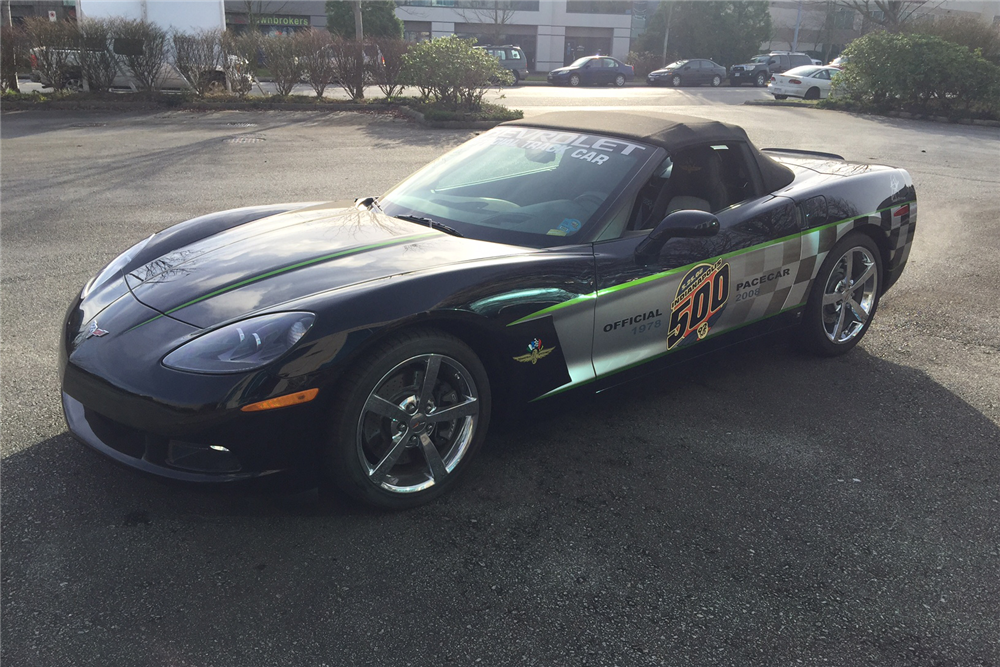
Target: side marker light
{"type": "Point", "coordinates": [282, 401]}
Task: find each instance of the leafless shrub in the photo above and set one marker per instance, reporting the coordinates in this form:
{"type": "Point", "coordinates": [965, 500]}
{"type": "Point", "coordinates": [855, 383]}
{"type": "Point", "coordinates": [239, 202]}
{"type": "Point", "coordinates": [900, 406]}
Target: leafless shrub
{"type": "Point", "coordinates": [143, 49]}
{"type": "Point", "coordinates": [284, 60]}
{"type": "Point", "coordinates": [98, 62]}
{"type": "Point", "coordinates": [240, 61]}
{"type": "Point", "coordinates": [386, 62]}
{"type": "Point", "coordinates": [53, 45]}
{"type": "Point", "coordinates": [317, 58]}
{"type": "Point", "coordinates": [349, 60]}
{"type": "Point", "coordinates": [199, 59]}
{"type": "Point", "coordinates": [13, 56]}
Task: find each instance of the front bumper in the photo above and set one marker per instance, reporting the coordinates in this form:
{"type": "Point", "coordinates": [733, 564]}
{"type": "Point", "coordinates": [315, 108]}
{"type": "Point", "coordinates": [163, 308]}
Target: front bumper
{"type": "Point", "coordinates": [220, 448]}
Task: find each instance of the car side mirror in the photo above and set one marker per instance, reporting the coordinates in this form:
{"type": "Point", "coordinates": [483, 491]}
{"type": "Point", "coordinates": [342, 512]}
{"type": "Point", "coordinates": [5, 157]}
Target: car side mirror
{"type": "Point", "coordinates": [679, 224]}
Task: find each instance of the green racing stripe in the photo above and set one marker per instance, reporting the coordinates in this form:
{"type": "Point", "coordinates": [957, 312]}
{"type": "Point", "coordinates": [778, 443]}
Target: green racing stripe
{"type": "Point", "coordinates": [270, 274]}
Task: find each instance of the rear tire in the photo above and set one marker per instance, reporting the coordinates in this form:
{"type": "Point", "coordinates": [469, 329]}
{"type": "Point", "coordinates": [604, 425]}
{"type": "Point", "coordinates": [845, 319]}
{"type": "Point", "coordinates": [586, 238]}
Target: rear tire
{"type": "Point", "coordinates": [716, 81]}
{"type": "Point", "coordinates": [843, 298]}
{"type": "Point", "coordinates": [812, 94]}
{"type": "Point", "coordinates": [781, 97]}
{"type": "Point", "coordinates": [407, 420]}
{"type": "Point", "coordinates": [620, 80]}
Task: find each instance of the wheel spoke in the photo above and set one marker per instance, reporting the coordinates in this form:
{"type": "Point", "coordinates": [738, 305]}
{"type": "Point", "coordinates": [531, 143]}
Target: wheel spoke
{"type": "Point", "coordinates": [858, 311]}
{"type": "Point", "coordinates": [433, 457]}
{"type": "Point", "coordinates": [386, 465]}
{"type": "Point", "coordinates": [832, 298]}
{"type": "Point", "coordinates": [380, 406]}
{"type": "Point", "coordinates": [467, 409]}
{"type": "Point", "coordinates": [839, 328]}
{"type": "Point", "coordinates": [430, 378]}
{"type": "Point", "coordinates": [849, 265]}
{"type": "Point", "coordinates": [868, 273]}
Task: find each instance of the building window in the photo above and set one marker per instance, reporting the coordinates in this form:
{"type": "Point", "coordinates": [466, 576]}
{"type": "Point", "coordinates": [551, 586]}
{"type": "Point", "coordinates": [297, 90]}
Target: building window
{"type": "Point", "coordinates": [482, 5]}
{"type": "Point", "coordinates": [598, 7]}
{"type": "Point", "coordinates": [844, 19]}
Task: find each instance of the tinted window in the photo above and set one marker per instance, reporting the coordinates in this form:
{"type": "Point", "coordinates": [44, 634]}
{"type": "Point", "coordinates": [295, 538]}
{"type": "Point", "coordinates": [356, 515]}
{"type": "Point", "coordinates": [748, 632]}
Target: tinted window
{"type": "Point", "coordinates": [608, 62]}
{"type": "Point", "coordinates": [521, 185]}
{"type": "Point", "coordinates": [800, 60]}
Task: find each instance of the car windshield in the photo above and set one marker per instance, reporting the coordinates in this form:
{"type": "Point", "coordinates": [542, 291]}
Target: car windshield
{"type": "Point", "coordinates": [805, 70]}
{"type": "Point", "coordinates": [521, 185]}
{"type": "Point", "coordinates": [760, 59]}
{"type": "Point", "coordinates": [580, 62]}
{"type": "Point", "coordinates": [679, 63]}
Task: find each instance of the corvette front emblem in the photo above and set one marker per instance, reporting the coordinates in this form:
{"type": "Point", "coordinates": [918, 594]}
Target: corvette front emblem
{"type": "Point", "coordinates": [94, 330]}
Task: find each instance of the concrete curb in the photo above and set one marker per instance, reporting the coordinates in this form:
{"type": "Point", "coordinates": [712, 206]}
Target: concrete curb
{"type": "Point", "coordinates": [906, 115]}
{"type": "Point", "coordinates": [449, 124]}
{"type": "Point", "coordinates": [327, 107]}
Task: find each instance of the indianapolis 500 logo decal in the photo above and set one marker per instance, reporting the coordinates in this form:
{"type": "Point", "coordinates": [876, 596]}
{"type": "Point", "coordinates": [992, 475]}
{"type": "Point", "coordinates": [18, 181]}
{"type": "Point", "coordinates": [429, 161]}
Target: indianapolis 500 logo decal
{"type": "Point", "coordinates": [701, 295]}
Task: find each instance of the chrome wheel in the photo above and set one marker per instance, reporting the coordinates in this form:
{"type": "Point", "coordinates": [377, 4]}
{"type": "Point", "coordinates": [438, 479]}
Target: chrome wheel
{"type": "Point", "coordinates": [676, 81]}
{"type": "Point", "coordinates": [574, 80]}
{"type": "Point", "coordinates": [620, 80]}
{"type": "Point", "coordinates": [418, 423]}
{"type": "Point", "coordinates": [850, 295]}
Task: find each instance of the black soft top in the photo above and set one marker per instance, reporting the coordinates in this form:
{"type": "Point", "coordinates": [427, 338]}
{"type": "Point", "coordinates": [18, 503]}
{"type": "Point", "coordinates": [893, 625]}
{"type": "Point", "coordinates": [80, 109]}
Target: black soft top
{"type": "Point", "coordinates": [672, 132]}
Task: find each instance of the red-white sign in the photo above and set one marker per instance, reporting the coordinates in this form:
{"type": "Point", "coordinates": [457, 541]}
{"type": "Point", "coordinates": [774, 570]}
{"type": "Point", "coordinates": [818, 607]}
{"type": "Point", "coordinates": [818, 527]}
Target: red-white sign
{"type": "Point", "coordinates": [52, 16]}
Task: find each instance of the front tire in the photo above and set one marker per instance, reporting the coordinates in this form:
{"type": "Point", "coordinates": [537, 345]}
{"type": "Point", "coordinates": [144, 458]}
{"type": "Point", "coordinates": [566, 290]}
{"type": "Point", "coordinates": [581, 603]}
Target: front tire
{"type": "Point", "coordinates": [761, 80]}
{"type": "Point", "coordinates": [844, 297]}
{"type": "Point", "coordinates": [408, 419]}
{"type": "Point", "coordinates": [574, 80]}
{"type": "Point", "coordinates": [675, 81]}
{"type": "Point", "coordinates": [620, 80]}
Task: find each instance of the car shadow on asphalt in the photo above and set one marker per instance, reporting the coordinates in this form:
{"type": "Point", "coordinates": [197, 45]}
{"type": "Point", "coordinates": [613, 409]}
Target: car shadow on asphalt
{"type": "Point", "coordinates": [773, 492]}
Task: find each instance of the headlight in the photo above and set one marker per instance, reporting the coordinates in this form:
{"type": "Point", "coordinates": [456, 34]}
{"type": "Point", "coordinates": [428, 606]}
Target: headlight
{"type": "Point", "coordinates": [116, 265]}
{"type": "Point", "coordinates": [241, 346]}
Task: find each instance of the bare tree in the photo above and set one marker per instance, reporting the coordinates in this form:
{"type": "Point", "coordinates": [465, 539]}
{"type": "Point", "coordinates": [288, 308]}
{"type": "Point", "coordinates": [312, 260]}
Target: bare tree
{"type": "Point", "coordinates": [240, 62]}
{"type": "Point", "coordinates": [13, 55]}
{"type": "Point", "coordinates": [349, 59]}
{"type": "Point", "coordinates": [888, 15]}
{"type": "Point", "coordinates": [493, 15]}
{"type": "Point", "coordinates": [317, 58]}
{"type": "Point", "coordinates": [98, 61]}
{"type": "Point", "coordinates": [53, 44]}
{"type": "Point", "coordinates": [283, 58]}
{"type": "Point", "coordinates": [387, 64]}
{"type": "Point", "coordinates": [143, 48]}
{"type": "Point", "coordinates": [199, 59]}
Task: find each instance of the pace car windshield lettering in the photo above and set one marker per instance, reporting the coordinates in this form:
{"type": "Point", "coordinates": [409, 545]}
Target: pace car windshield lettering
{"type": "Point", "coordinates": [521, 185]}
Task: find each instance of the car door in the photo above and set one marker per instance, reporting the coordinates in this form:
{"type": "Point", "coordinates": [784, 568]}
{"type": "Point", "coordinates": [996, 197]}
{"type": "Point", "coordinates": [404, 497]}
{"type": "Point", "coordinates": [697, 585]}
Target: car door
{"type": "Point", "coordinates": [696, 289]}
{"type": "Point", "coordinates": [702, 71]}
{"type": "Point", "coordinates": [610, 70]}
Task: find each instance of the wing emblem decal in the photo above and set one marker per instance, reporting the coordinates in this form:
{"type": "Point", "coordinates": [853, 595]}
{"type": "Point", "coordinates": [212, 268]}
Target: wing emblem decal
{"type": "Point", "coordinates": [536, 351]}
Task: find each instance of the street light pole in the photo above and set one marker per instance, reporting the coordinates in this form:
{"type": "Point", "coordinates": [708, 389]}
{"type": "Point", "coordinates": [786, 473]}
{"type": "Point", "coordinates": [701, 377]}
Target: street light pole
{"type": "Point", "coordinates": [798, 22]}
{"type": "Point", "coordinates": [666, 32]}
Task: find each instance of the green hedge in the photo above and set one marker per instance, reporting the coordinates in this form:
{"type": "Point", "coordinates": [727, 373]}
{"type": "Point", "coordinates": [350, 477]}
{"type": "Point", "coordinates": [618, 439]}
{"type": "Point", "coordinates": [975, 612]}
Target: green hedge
{"type": "Point", "coordinates": [918, 73]}
{"type": "Point", "coordinates": [451, 73]}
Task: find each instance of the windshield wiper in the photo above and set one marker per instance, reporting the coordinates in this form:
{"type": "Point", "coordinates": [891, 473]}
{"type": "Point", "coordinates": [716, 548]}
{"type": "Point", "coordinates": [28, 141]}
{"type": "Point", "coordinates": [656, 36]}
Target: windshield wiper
{"type": "Point", "coordinates": [433, 224]}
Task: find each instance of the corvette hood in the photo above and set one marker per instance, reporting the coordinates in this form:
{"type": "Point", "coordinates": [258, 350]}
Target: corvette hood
{"type": "Point", "coordinates": [283, 257]}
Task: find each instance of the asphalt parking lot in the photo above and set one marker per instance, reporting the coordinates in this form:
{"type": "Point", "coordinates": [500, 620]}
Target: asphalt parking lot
{"type": "Point", "coordinates": [758, 508]}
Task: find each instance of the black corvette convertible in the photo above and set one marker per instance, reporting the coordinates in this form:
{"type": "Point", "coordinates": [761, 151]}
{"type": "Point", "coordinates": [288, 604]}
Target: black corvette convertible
{"type": "Point", "coordinates": [372, 341]}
